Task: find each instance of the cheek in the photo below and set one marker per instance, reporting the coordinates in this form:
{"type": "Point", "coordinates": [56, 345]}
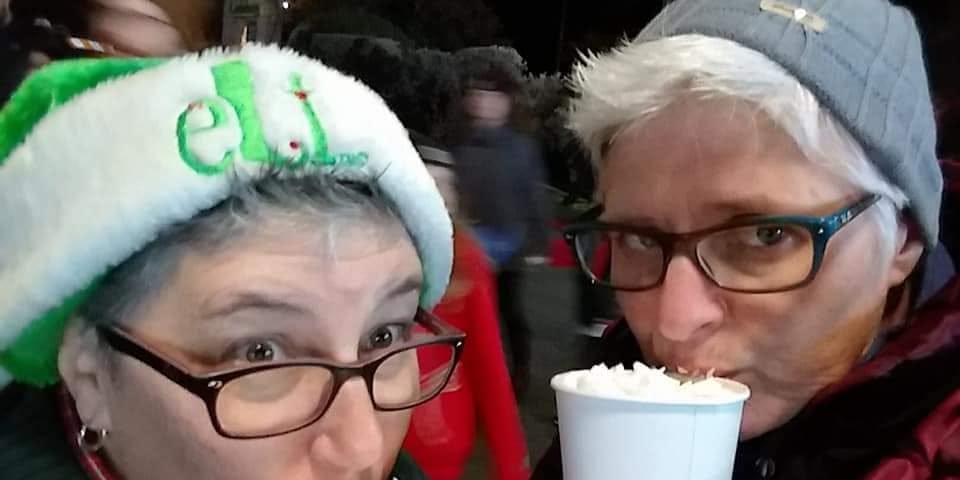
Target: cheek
{"type": "Point", "coordinates": [639, 308]}
{"type": "Point", "coordinates": [171, 404]}
{"type": "Point", "coordinates": [394, 426]}
{"type": "Point", "coordinates": [153, 418]}
{"type": "Point", "coordinates": [760, 325]}
{"type": "Point", "coordinates": [817, 333]}
{"type": "Point", "coordinates": [781, 334]}
{"type": "Point", "coordinates": [846, 306]}
{"type": "Point", "coordinates": [174, 438]}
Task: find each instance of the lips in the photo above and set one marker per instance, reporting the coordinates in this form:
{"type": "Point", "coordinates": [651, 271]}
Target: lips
{"type": "Point", "coordinates": [692, 360]}
{"type": "Point", "coordinates": [708, 372]}
{"type": "Point", "coordinates": [699, 369]}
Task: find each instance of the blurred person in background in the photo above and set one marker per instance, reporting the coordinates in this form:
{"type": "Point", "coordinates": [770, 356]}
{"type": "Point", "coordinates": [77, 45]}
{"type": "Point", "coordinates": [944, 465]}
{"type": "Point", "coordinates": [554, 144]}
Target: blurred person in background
{"type": "Point", "coordinates": [5, 16]}
{"type": "Point", "coordinates": [442, 433]}
{"type": "Point", "coordinates": [36, 32]}
{"type": "Point", "coordinates": [29, 42]}
{"type": "Point", "coordinates": [135, 28]}
{"type": "Point", "coordinates": [501, 176]}
{"type": "Point", "coordinates": [130, 27]}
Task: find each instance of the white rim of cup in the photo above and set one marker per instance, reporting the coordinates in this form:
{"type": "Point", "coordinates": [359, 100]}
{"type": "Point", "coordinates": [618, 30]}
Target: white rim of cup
{"type": "Point", "coordinates": [739, 392]}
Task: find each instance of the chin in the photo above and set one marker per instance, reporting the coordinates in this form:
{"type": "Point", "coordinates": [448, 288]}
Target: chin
{"type": "Point", "coordinates": [749, 430]}
{"type": "Point", "coordinates": [759, 419]}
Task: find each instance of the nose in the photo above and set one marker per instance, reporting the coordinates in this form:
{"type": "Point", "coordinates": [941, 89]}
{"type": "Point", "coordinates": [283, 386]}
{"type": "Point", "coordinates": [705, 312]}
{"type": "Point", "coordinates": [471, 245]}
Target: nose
{"type": "Point", "coordinates": [687, 306]}
{"type": "Point", "coordinates": [349, 440]}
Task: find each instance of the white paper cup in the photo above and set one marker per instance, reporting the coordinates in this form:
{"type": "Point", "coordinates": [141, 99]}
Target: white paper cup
{"type": "Point", "coordinates": [611, 438]}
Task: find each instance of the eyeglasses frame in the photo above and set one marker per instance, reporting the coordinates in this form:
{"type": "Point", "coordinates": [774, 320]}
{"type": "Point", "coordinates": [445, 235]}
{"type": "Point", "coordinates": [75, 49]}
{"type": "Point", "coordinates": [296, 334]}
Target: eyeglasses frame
{"type": "Point", "coordinates": [821, 229]}
{"type": "Point", "coordinates": [208, 386]}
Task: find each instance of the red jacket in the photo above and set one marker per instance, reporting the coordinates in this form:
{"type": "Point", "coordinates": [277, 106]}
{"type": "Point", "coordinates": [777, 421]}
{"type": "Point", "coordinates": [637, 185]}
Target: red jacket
{"type": "Point", "coordinates": [896, 417]}
{"type": "Point", "coordinates": [442, 432]}
{"type": "Point", "coordinates": [933, 448]}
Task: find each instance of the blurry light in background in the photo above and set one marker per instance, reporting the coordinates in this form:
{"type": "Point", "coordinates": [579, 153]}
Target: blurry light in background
{"type": "Point", "coordinates": [285, 5]}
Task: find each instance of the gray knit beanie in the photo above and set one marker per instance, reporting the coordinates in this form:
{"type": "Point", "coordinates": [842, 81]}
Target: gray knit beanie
{"type": "Point", "coordinates": [861, 58]}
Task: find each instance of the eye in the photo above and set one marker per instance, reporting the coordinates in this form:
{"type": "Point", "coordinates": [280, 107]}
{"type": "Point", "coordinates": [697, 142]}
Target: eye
{"type": "Point", "coordinates": [763, 239]}
{"type": "Point", "coordinates": [635, 241]}
{"type": "Point", "coordinates": [769, 236]}
{"type": "Point", "coordinates": [258, 350]}
{"type": "Point", "coordinates": [387, 336]}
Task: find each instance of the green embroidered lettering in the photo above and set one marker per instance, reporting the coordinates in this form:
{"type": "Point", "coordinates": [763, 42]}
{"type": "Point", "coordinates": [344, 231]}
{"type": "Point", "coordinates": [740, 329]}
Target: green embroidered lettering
{"type": "Point", "coordinates": [234, 125]}
{"type": "Point", "coordinates": [235, 84]}
{"type": "Point", "coordinates": [184, 134]}
{"type": "Point", "coordinates": [320, 151]}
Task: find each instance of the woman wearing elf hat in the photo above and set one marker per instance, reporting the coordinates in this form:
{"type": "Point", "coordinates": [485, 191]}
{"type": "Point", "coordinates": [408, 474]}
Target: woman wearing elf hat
{"type": "Point", "coordinates": [214, 267]}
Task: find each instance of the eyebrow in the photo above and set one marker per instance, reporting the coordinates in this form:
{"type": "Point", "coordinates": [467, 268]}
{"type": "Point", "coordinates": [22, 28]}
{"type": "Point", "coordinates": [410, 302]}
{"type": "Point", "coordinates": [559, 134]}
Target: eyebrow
{"type": "Point", "coordinates": [727, 210]}
{"type": "Point", "coordinates": [254, 300]}
{"type": "Point", "coordinates": [408, 285]}
{"type": "Point", "coordinates": [627, 218]}
{"type": "Point", "coordinates": [765, 206]}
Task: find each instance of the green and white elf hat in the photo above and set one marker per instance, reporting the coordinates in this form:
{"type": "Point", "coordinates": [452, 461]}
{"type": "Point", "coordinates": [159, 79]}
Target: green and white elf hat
{"type": "Point", "coordinates": [98, 157]}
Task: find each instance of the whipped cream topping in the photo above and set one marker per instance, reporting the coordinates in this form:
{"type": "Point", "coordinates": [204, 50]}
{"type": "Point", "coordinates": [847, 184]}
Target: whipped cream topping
{"type": "Point", "coordinates": [643, 383]}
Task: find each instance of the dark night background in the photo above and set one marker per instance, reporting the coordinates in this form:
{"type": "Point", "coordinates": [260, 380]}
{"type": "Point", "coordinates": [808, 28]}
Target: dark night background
{"type": "Point", "coordinates": [534, 28]}
{"type": "Point", "coordinates": [548, 33]}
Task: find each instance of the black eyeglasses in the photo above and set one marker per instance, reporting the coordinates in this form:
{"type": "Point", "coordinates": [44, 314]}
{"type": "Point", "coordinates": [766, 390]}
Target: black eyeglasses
{"type": "Point", "coordinates": [757, 255]}
{"type": "Point", "coordinates": [281, 397]}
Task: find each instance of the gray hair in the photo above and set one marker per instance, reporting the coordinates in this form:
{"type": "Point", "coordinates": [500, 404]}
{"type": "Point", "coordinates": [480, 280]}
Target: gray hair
{"type": "Point", "coordinates": [633, 83]}
{"type": "Point", "coordinates": [320, 202]}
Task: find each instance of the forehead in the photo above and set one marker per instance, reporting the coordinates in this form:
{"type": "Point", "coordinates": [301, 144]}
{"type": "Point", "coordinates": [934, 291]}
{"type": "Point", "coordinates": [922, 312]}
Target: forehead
{"type": "Point", "coordinates": [321, 264]}
{"type": "Point", "coordinates": [701, 155]}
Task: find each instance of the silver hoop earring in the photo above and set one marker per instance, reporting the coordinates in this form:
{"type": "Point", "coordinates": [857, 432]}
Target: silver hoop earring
{"type": "Point", "coordinates": [91, 439]}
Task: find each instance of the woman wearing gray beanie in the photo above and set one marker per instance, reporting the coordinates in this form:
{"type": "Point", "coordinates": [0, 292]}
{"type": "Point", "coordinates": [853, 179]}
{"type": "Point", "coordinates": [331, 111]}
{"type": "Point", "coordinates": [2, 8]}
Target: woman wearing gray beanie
{"type": "Point", "coordinates": [771, 198]}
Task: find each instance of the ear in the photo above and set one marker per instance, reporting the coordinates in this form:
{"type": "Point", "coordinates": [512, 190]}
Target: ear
{"type": "Point", "coordinates": [84, 371]}
{"type": "Point", "coordinates": [909, 249]}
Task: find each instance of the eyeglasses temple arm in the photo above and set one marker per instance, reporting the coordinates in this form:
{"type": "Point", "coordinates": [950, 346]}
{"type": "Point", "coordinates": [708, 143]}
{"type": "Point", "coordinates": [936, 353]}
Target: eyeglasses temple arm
{"type": "Point", "coordinates": [126, 345]}
{"type": "Point", "coordinates": [844, 217]}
